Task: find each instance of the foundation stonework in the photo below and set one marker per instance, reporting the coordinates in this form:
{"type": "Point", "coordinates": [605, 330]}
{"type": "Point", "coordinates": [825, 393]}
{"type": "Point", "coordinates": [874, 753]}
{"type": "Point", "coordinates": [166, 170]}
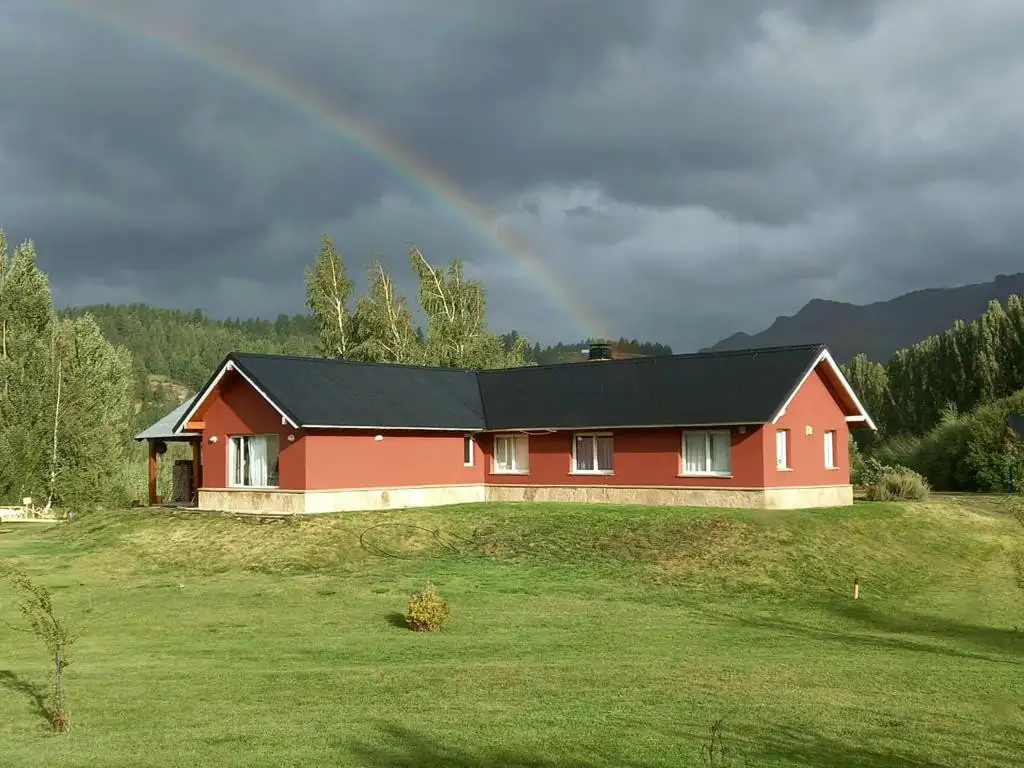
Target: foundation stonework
{"type": "Point", "coordinates": [287, 502]}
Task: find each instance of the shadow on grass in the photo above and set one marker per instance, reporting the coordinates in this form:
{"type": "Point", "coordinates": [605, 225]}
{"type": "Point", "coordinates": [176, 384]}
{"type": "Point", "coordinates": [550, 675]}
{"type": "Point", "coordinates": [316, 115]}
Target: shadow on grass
{"type": "Point", "coordinates": [998, 639]}
{"type": "Point", "coordinates": [872, 628]}
{"type": "Point", "coordinates": [396, 619]}
{"type": "Point", "coordinates": [400, 747]}
{"type": "Point", "coordinates": [35, 695]}
{"type": "Point", "coordinates": [799, 748]}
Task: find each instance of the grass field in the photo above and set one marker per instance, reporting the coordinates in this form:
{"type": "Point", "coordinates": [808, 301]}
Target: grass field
{"type": "Point", "coordinates": [580, 636]}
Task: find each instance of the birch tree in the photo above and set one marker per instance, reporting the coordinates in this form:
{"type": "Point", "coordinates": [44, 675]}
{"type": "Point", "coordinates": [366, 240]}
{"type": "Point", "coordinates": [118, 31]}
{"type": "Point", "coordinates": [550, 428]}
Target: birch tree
{"type": "Point", "coordinates": [328, 290]}
{"type": "Point", "coordinates": [383, 325]}
{"type": "Point", "coordinates": [456, 313]}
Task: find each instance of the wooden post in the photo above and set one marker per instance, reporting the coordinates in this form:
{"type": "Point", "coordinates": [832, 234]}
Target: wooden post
{"type": "Point", "coordinates": [152, 473]}
{"type": "Point", "coordinates": [197, 469]}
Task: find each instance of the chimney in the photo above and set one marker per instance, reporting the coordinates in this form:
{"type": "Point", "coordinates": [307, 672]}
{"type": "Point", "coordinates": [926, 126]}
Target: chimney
{"type": "Point", "coordinates": [599, 351]}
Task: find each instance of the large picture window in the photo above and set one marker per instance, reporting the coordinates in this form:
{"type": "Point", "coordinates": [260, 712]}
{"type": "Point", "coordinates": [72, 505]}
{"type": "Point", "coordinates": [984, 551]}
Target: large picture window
{"type": "Point", "coordinates": [511, 454]}
{"type": "Point", "coordinates": [707, 452]}
{"type": "Point", "coordinates": [592, 453]}
{"type": "Point", "coordinates": [253, 461]}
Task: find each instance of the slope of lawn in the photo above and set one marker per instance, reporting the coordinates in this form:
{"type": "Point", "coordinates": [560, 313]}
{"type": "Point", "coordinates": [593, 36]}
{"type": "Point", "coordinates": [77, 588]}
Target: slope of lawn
{"type": "Point", "coordinates": [580, 636]}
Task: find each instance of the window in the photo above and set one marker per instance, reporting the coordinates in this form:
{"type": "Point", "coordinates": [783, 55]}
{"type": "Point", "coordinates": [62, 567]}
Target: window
{"type": "Point", "coordinates": [511, 454]}
{"type": "Point", "coordinates": [253, 461]}
{"type": "Point", "coordinates": [467, 451]}
{"type": "Point", "coordinates": [592, 453]}
{"type": "Point", "coordinates": [830, 450]}
{"type": "Point", "coordinates": [782, 449]}
{"type": "Point", "coordinates": [707, 453]}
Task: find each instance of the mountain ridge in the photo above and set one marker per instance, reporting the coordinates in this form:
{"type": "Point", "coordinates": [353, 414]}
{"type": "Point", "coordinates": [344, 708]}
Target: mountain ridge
{"type": "Point", "coordinates": [882, 327]}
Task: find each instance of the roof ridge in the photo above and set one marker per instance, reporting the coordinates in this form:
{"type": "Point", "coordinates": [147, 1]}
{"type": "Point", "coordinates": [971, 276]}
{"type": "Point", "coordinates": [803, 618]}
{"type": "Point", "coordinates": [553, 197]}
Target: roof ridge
{"type": "Point", "coordinates": [681, 356]}
{"type": "Point", "coordinates": [478, 371]}
{"type": "Point", "coordinates": [336, 360]}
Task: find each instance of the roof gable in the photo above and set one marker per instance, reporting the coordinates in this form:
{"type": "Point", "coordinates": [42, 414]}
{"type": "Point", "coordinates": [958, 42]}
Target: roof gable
{"type": "Point", "coordinates": [713, 388]}
{"type": "Point", "coordinates": [320, 392]}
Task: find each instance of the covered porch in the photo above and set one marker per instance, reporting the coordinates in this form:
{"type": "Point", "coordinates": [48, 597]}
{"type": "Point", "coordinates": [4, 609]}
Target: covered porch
{"type": "Point", "coordinates": [187, 473]}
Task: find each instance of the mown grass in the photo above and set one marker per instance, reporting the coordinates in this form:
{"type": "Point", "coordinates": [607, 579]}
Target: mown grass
{"type": "Point", "coordinates": [580, 635]}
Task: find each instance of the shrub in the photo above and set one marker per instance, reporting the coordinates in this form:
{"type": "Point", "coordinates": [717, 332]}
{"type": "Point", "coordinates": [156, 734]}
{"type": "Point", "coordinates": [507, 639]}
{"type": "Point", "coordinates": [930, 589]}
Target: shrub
{"type": "Point", "coordinates": [898, 484]}
{"type": "Point", "coordinates": [427, 611]}
{"type": "Point", "coordinates": [868, 471]}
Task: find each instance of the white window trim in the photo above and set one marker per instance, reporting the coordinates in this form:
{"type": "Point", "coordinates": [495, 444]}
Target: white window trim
{"type": "Point", "coordinates": [232, 480]}
{"type": "Point", "coordinates": [497, 470]}
{"type": "Point", "coordinates": [788, 444]}
{"type": "Point", "coordinates": [834, 441]}
{"type": "Point", "coordinates": [707, 447]}
{"type": "Point", "coordinates": [573, 470]}
{"type": "Point", "coordinates": [472, 451]}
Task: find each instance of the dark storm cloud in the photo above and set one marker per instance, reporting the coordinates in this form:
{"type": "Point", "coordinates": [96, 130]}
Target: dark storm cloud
{"type": "Point", "coordinates": [687, 168]}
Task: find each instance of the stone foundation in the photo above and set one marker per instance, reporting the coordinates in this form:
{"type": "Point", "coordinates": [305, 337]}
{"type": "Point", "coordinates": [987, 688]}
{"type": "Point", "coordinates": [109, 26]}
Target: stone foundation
{"type": "Point", "coordinates": [283, 502]}
{"type": "Point", "coordinates": [245, 501]}
{"type": "Point", "coordinates": [675, 496]}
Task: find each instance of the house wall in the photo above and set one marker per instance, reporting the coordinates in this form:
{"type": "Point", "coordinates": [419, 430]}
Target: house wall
{"type": "Point", "coordinates": [642, 457]}
{"type": "Point", "coordinates": [354, 459]}
{"type": "Point", "coordinates": [235, 408]}
{"type": "Point", "coordinates": [337, 470]}
{"type": "Point", "coordinates": [814, 406]}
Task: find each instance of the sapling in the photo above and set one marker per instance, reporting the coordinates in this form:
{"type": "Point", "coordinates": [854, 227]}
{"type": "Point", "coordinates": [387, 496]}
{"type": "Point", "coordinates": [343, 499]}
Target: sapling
{"type": "Point", "coordinates": [36, 607]}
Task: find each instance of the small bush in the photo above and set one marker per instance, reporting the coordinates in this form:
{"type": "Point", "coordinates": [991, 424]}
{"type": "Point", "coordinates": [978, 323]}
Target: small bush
{"type": "Point", "coordinates": [427, 611]}
{"type": "Point", "coordinates": [868, 471]}
{"type": "Point", "coordinates": [898, 484]}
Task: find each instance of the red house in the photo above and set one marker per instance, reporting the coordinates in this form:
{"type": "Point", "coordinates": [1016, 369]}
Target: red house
{"type": "Point", "coordinates": [754, 428]}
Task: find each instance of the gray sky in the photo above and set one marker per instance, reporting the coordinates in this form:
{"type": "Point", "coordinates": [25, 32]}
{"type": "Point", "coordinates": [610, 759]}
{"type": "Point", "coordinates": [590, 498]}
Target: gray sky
{"type": "Point", "coordinates": [684, 169]}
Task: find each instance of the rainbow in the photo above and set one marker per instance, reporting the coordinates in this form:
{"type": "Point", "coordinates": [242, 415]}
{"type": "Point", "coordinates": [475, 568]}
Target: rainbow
{"type": "Point", "coordinates": [414, 172]}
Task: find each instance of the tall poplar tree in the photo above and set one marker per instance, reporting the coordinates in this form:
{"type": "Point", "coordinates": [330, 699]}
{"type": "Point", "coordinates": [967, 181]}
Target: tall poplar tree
{"type": "Point", "coordinates": [328, 290]}
{"type": "Point", "coordinates": [66, 401]}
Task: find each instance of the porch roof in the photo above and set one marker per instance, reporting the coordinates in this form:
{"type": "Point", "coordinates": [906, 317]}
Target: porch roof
{"type": "Point", "coordinates": [164, 428]}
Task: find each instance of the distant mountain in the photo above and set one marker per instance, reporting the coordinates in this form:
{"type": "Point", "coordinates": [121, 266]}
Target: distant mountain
{"type": "Point", "coordinates": [881, 328]}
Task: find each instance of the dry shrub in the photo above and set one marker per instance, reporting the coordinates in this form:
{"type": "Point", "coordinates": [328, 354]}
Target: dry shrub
{"type": "Point", "coordinates": [427, 611]}
{"type": "Point", "coordinates": [898, 484]}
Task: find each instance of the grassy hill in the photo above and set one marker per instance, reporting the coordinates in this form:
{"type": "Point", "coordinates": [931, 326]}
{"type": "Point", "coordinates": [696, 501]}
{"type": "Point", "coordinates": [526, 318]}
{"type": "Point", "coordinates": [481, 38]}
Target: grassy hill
{"type": "Point", "coordinates": [580, 636]}
{"type": "Point", "coordinates": [882, 327]}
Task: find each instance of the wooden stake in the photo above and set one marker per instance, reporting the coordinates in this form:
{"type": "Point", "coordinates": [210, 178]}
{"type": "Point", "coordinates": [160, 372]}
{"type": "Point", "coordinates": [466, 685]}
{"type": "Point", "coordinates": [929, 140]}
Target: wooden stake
{"type": "Point", "coordinates": [856, 589]}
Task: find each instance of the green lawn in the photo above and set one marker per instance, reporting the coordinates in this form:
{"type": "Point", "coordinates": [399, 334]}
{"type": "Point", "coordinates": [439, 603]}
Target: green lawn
{"type": "Point", "coordinates": [580, 636]}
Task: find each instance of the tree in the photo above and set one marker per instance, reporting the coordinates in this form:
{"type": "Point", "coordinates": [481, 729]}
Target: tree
{"type": "Point", "coordinates": [327, 293]}
{"type": "Point", "coordinates": [26, 322]}
{"type": "Point", "coordinates": [383, 326]}
{"type": "Point", "coordinates": [92, 410]}
{"type": "Point", "coordinates": [37, 609]}
{"type": "Point", "coordinates": [456, 313]}
{"type": "Point", "coordinates": [66, 401]}
{"type": "Point", "coordinates": [871, 384]}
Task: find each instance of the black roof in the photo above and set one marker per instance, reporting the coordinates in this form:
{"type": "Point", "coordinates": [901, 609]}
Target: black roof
{"type": "Point", "coordinates": [324, 392]}
{"type": "Point", "coordinates": [745, 387]}
{"type": "Point", "coordinates": [734, 387]}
